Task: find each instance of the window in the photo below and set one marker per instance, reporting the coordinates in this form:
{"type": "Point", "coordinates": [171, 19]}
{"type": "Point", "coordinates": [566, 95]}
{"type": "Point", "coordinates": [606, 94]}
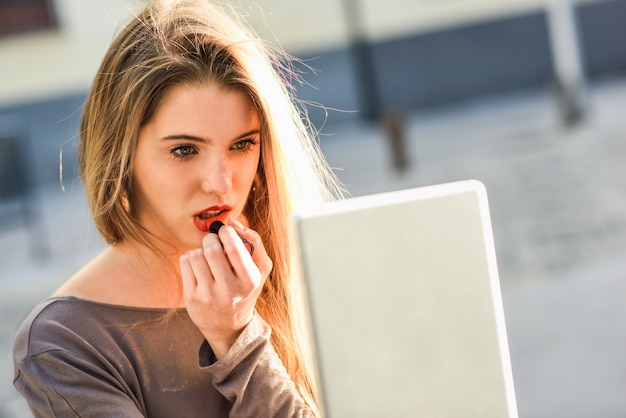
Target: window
{"type": "Point", "coordinates": [20, 16]}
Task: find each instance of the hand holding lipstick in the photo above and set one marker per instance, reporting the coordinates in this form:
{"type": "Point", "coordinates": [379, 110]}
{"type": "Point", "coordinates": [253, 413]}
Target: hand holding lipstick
{"type": "Point", "coordinates": [215, 227]}
{"type": "Point", "coordinates": [222, 281]}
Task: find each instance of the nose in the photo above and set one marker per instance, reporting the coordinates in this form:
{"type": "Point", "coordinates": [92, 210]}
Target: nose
{"type": "Point", "coordinates": [217, 176]}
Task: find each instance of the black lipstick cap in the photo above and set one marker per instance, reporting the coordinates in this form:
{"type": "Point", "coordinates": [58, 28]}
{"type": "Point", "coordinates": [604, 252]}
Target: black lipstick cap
{"type": "Point", "coordinates": [215, 226]}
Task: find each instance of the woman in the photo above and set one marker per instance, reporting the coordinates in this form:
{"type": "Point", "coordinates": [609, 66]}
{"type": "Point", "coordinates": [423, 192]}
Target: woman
{"type": "Point", "coordinates": [187, 122]}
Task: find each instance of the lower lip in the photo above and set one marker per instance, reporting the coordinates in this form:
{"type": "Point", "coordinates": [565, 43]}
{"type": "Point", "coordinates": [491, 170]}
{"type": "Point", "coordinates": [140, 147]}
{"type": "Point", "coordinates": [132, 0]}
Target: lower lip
{"type": "Point", "coordinates": [203, 224]}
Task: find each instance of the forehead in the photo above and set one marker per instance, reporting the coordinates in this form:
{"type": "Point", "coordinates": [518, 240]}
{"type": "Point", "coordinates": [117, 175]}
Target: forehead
{"type": "Point", "coordinates": [206, 105]}
{"type": "Point", "coordinates": [208, 95]}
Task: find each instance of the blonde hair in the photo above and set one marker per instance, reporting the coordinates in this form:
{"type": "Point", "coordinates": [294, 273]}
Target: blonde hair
{"type": "Point", "coordinates": [192, 42]}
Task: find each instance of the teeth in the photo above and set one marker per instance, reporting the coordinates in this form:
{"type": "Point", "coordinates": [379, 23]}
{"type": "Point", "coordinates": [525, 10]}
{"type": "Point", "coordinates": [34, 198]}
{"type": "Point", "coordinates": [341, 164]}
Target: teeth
{"type": "Point", "coordinates": [208, 215]}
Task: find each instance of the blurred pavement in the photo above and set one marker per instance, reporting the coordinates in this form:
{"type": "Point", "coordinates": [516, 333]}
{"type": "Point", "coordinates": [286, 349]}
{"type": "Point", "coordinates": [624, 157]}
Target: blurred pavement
{"type": "Point", "coordinates": [558, 204]}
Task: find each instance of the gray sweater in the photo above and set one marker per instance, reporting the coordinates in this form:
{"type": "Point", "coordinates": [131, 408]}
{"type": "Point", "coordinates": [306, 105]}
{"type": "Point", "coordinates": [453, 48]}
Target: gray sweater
{"type": "Point", "coordinates": [79, 358]}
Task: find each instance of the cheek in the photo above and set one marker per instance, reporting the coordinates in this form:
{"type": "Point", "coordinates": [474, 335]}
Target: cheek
{"type": "Point", "coordinates": [152, 183]}
{"type": "Point", "coordinates": [249, 171]}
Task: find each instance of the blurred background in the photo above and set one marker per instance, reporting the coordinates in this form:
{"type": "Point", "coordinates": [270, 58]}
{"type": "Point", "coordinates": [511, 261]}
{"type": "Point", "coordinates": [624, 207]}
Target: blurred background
{"type": "Point", "coordinates": [527, 96]}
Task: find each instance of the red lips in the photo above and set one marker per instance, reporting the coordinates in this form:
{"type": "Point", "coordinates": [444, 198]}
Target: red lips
{"type": "Point", "coordinates": [203, 219]}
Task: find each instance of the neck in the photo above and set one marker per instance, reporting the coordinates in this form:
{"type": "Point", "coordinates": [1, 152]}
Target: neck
{"type": "Point", "coordinates": [156, 272]}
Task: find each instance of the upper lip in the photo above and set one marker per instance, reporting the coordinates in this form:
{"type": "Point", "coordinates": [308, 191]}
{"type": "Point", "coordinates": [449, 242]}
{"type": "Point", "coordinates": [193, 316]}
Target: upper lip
{"type": "Point", "coordinates": [213, 211]}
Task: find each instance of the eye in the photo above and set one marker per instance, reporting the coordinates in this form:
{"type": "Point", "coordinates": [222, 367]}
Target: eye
{"type": "Point", "coordinates": [244, 145]}
{"type": "Point", "coordinates": [183, 151]}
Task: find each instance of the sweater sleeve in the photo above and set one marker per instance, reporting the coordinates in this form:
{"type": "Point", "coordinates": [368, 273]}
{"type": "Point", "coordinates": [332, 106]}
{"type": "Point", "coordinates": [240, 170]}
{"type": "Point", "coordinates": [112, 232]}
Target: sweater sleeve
{"type": "Point", "coordinates": [62, 375]}
{"type": "Point", "coordinates": [56, 385]}
{"type": "Point", "coordinates": [252, 377]}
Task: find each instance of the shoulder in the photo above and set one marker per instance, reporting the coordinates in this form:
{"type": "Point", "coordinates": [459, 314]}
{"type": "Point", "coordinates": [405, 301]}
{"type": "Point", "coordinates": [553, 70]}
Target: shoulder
{"type": "Point", "coordinates": [51, 325]}
{"type": "Point", "coordinates": [125, 276]}
{"type": "Point", "coordinates": [87, 328]}
{"type": "Point", "coordinates": [95, 280]}
{"type": "Point", "coordinates": [69, 333]}
{"type": "Point", "coordinates": [77, 326]}
{"type": "Point", "coordinates": [65, 360]}
{"type": "Point", "coordinates": [53, 336]}
{"type": "Point", "coordinates": [44, 315]}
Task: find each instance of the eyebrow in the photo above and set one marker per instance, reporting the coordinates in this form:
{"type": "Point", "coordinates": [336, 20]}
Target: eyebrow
{"type": "Point", "coordinates": [193, 138]}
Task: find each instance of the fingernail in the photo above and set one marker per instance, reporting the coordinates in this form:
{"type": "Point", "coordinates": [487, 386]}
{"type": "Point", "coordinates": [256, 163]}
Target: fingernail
{"type": "Point", "coordinates": [190, 252]}
{"type": "Point", "coordinates": [248, 245]}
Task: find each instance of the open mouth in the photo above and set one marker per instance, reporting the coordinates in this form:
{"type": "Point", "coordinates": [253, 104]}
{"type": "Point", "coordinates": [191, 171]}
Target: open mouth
{"type": "Point", "coordinates": [210, 214]}
{"type": "Point", "coordinates": [203, 220]}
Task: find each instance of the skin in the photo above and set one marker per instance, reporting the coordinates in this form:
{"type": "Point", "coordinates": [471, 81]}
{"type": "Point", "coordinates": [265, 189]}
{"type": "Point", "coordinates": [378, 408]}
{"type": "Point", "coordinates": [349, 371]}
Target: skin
{"type": "Point", "coordinates": [195, 162]}
{"type": "Point", "coordinates": [200, 151]}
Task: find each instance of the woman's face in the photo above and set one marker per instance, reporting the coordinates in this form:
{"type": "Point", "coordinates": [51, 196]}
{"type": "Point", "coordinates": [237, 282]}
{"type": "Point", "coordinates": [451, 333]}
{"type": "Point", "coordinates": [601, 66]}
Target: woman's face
{"type": "Point", "coordinates": [195, 163]}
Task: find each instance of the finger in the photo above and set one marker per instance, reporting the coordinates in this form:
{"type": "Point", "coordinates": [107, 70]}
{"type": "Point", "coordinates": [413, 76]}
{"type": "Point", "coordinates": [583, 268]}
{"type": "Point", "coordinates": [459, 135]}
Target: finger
{"type": "Point", "coordinates": [235, 249]}
{"type": "Point", "coordinates": [215, 257]}
{"type": "Point", "coordinates": [256, 266]}
{"type": "Point", "coordinates": [260, 257]}
{"type": "Point", "coordinates": [200, 268]}
{"type": "Point", "coordinates": [186, 272]}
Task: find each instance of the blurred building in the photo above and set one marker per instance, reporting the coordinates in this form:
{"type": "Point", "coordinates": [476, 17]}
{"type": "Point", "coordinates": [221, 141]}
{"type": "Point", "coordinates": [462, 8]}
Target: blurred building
{"type": "Point", "coordinates": [409, 54]}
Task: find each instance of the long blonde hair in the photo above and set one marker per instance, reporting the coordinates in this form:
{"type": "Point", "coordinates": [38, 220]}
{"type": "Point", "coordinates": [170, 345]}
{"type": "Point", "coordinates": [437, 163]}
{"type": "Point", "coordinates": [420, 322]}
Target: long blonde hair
{"type": "Point", "coordinates": [174, 42]}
